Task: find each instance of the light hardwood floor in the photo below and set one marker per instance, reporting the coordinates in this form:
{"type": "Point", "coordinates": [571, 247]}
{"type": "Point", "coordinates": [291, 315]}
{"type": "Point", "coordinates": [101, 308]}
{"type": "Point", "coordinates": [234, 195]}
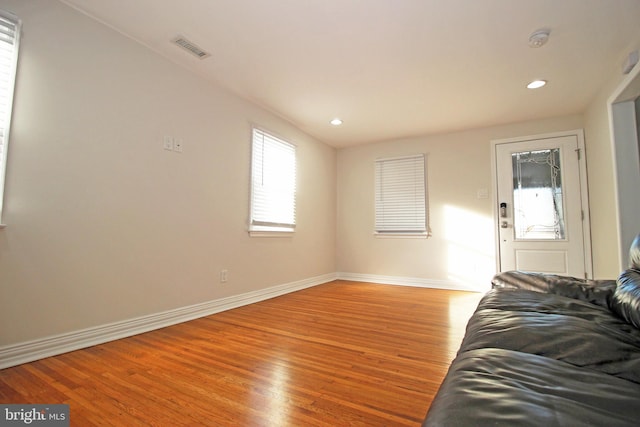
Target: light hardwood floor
{"type": "Point", "coordinates": [338, 354]}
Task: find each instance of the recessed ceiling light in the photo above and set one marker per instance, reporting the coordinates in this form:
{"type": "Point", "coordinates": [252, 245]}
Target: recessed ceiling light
{"type": "Point", "coordinates": [336, 122]}
{"type": "Point", "coordinates": [536, 84]}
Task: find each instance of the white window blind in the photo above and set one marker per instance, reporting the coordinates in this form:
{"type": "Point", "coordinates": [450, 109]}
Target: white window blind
{"type": "Point", "coordinates": [401, 205]}
{"type": "Point", "coordinates": [9, 38]}
{"type": "Point", "coordinates": [273, 184]}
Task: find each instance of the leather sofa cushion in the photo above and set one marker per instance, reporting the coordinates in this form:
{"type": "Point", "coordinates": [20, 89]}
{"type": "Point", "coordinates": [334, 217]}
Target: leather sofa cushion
{"type": "Point", "coordinates": [634, 254]}
{"type": "Point", "coordinates": [573, 331]}
{"type": "Point", "coordinates": [597, 292]}
{"type": "Point", "coordinates": [626, 298]}
{"type": "Point", "coordinates": [497, 387]}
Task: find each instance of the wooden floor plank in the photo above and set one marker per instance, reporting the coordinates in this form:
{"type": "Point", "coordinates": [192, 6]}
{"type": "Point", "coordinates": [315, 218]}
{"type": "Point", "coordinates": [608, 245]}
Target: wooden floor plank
{"type": "Point", "coordinates": [338, 354]}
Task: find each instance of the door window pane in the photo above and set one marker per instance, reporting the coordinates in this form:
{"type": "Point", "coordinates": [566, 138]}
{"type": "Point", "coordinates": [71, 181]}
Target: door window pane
{"type": "Point", "coordinates": [537, 195]}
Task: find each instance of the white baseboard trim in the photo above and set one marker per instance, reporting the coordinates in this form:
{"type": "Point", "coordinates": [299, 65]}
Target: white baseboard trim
{"type": "Point", "coordinates": [17, 354]}
{"type": "Point", "coordinates": [407, 281]}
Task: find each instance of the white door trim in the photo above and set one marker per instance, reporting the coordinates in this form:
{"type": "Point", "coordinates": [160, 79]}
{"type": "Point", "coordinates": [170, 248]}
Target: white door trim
{"type": "Point", "coordinates": [624, 152]}
{"type": "Point", "coordinates": [584, 191]}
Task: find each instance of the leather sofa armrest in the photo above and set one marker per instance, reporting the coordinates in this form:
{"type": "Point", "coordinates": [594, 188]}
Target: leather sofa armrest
{"type": "Point", "coordinates": [597, 292]}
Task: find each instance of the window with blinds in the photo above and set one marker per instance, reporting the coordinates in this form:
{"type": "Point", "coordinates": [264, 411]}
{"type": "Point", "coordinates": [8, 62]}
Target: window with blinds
{"type": "Point", "coordinates": [273, 184]}
{"type": "Point", "coordinates": [9, 38]}
{"type": "Point", "coordinates": [401, 202]}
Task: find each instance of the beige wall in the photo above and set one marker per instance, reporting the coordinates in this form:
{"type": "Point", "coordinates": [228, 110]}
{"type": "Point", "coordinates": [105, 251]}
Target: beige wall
{"type": "Point", "coordinates": [102, 223]}
{"type": "Point", "coordinates": [461, 251]}
{"type": "Point", "coordinates": [602, 199]}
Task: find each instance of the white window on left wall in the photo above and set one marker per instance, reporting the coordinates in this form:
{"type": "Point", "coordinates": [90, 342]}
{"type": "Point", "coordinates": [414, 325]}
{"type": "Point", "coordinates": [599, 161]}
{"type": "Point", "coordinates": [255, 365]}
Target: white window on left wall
{"type": "Point", "coordinates": [9, 41]}
{"type": "Point", "coordinates": [273, 185]}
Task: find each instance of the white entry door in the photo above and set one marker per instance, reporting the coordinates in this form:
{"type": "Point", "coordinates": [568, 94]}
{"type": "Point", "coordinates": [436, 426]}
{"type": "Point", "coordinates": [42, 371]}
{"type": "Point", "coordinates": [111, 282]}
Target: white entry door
{"type": "Point", "coordinates": [540, 215]}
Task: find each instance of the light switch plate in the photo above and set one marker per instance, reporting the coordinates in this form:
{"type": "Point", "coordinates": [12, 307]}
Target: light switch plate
{"type": "Point", "coordinates": [483, 193]}
{"type": "Point", "coordinates": [167, 143]}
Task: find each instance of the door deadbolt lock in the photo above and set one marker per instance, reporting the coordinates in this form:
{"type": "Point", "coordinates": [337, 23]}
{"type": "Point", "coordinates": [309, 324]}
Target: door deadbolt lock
{"type": "Point", "coordinates": [504, 224]}
{"type": "Point", "coordinates": [503, 210]}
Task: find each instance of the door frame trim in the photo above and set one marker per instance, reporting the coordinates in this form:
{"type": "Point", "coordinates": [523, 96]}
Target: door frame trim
{"type": "Point", "coordinates": [623, 134]}
{"type": "Point", "coordinates": [584, 191]}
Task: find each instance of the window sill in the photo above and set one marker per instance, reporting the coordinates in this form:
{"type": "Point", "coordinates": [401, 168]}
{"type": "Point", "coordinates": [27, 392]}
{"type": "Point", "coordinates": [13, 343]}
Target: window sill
{"type": "Point", "coordinates": [271, 233]}
{"type": "Point", "coordinates": [401, 235]}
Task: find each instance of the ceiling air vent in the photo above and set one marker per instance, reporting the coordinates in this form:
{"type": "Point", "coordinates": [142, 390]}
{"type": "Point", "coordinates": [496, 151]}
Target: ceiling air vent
{"type": "Point", "coordinates": [190, 47]}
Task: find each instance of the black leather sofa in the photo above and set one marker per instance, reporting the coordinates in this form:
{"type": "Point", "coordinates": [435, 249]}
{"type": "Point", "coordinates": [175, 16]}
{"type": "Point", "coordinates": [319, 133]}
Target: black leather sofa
{"type": "Point", "coordinates": [545, 350]}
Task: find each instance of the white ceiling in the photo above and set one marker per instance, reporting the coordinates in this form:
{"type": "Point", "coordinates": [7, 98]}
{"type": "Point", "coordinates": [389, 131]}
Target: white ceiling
{"type": "Point", "coordinates": [390, 68]}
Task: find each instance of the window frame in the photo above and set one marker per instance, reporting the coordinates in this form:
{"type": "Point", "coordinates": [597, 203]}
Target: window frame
{"type": "Point", "coordinates": [271, 227]}
{"type": "Point", "coordinates": [390, 228]}
{"type": "Point", "coordinates": [8, 19]}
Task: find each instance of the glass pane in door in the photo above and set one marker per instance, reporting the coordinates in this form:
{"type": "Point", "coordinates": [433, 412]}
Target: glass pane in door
{"type": "Point", "coordinates": [537, 195]}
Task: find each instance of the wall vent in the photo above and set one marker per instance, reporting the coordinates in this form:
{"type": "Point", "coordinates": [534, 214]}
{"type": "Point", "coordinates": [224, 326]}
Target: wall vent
{"type": "Point", "coordinates": [190, 47]}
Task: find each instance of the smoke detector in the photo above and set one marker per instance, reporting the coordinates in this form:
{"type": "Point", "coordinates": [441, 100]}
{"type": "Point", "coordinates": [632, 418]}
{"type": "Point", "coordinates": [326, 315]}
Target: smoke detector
{"type": "Point", "coordinates": [539, 38]}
